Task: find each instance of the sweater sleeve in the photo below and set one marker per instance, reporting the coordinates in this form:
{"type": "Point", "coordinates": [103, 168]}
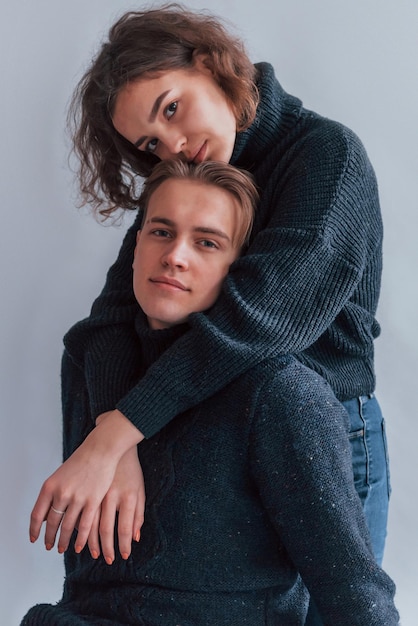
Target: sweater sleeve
{"type": "Point", "coordinates": [105, 344]}
{"type": "Point", "coordinates": [301, 461]}
{"type": "Point", "coordinates": [298, 273]}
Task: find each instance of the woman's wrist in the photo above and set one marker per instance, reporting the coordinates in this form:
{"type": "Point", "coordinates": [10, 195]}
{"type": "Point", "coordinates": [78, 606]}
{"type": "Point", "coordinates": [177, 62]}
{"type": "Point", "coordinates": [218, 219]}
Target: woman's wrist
{"type": "Point", "coordinates": [114, 434]}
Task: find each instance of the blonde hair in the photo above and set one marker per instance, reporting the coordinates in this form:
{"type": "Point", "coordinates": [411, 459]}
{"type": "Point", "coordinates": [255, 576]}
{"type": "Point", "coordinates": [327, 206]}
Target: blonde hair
{"type": "Point", "coordinates": [235, 181]}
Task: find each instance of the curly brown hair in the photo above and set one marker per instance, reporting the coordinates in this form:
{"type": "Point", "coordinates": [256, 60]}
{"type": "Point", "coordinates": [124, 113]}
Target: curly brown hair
{"type": "Point", "coordinates": [143, 43]}
{"type": "Point", "coordinates": [237, 182]}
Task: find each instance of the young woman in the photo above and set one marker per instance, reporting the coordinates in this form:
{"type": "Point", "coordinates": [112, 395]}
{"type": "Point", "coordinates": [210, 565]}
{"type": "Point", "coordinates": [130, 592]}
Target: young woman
{"type": "Point", "coordinates": [250, 494]}
{"type": "Point", "coordinates": [170, 83]}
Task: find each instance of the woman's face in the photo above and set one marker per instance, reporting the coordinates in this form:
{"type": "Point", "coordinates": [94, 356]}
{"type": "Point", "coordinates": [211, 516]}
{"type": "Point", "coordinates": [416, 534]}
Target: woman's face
{"type": "Point", "coordinates": [181, 114]}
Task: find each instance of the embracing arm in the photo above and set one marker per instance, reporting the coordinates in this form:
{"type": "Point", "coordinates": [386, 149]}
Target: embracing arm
{"type": "Point", "coordinates": [105, 345]}
{"type": "Point", "coordinates": [72, 495]}
{"type": "Point", "coordinates": [300, 270]}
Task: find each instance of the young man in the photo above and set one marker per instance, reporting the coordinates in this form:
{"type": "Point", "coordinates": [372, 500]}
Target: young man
{"type": "Point", "coordinates": [250, 495]}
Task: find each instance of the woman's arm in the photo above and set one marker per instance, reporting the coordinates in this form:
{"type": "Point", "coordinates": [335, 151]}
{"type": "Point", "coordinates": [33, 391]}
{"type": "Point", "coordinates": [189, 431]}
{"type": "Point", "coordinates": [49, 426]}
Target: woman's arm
{"type": "Point", "coordinates": [105, 345]}
{"type": "Point", "coordinates": [125, 497]}
{"type": "Point", "coordinates": [70, 498]}
{"type": "Point", "coordinates": [301, 460]}
{"type": "Point", "coordinates": [299, 272]}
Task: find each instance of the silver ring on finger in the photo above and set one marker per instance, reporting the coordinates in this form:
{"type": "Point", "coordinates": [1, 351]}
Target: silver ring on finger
{"type": "Point", "coordinates": [57, 511]}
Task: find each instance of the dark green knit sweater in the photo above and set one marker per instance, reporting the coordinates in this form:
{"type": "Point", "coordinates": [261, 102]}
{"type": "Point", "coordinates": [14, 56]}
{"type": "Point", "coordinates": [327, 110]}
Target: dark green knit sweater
{"type": "Point", "coordinates": [246, 493]}
{"type": "Point", "coordinates": [308, 285]}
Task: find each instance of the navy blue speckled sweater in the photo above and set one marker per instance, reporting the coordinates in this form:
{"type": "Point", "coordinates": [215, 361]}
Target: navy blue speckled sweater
{"type": "Point", "coordinates": [308, 285]}
{"type": "Point", "coordinates": [245, 492]}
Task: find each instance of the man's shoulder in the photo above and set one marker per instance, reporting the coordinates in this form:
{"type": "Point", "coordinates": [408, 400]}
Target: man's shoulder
{"type": "Point", "coordinates": [293, 400]}
{"type": "Point", "coordinates": [285, 380]}
{"type": "Point", "coordinates": [283, 367]}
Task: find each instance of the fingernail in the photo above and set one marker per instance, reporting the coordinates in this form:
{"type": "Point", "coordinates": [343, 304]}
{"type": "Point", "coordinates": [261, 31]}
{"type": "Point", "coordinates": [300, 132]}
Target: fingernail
{"type": "Point", "coordinates": [61, 549]}
{"type": "Point", "coordinates": [137, 535]}
{"type": "Point", "coordinates": [32, 539]}
{"type": "Point", "coordinates": [78, 549]}
{"type": "Point", "coordinates": [48, 546]}
{"type": "Point", "coordinates": [95, 554]}
{"type": "Point", "coordinates": [125, 555]}
{"type": "Point", "coordinates": [109, 560]}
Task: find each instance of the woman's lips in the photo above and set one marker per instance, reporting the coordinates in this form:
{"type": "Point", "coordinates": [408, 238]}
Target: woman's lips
{"type": "Point", "coordinates": [199, 157]}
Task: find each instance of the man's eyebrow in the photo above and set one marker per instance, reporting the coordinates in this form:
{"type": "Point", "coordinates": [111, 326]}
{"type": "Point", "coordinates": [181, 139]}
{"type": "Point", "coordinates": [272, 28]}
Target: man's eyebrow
{"type": "Point", "coordinates": [152, 115]}
{"type": "Point", "coordinates": [208, 230]}
{"type": "Point", "coordinates": [211, 231]}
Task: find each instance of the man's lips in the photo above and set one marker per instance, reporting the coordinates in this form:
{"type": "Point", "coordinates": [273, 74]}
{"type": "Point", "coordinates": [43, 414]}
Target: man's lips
{"type": "Point", "coordinates": [170, 283]}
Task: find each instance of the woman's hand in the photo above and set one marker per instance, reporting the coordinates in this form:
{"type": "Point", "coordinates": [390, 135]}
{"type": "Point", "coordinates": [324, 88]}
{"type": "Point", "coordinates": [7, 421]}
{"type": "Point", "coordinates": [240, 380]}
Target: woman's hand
{"type": "Point", "coordinates": [127, 496]}
{"type": "Point", "coordinates": [72, 495]}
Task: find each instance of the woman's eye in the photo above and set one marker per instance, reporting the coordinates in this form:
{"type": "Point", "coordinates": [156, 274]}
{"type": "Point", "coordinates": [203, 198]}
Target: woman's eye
{"type": "Point", "coordinates": [171, 109]}
{"type": "Point", "coordinates": [151, 146]}
{"type": "Point", "coordinates": [160, 232]}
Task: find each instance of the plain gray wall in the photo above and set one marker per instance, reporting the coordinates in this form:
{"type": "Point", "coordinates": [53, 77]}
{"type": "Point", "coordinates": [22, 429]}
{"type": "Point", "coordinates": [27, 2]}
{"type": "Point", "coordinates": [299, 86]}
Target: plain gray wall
{"type": "Point", "coordinates": [353, 61]}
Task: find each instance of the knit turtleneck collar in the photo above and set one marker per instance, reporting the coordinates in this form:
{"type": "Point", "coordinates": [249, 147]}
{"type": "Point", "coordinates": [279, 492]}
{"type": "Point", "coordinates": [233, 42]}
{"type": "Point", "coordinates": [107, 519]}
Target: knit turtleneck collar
{"type": "Point", "coordinates": [277, 113]}
{"type": "Point", "coordinates": [154, 342]}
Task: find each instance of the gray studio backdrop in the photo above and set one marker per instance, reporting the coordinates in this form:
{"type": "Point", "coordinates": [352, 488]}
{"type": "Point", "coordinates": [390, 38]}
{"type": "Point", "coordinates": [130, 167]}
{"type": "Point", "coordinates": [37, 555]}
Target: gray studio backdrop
{"type": "Point", "coordinates": [354, 61]}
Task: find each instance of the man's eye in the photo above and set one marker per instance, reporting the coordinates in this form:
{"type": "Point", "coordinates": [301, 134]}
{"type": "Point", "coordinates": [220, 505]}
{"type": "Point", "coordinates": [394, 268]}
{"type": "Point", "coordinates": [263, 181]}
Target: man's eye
{"type": "Point", "coordinates": [207, 243]}
{"type": "Point", "coordinates": [151, 146]}
{"type": "Point", "coordinates": [171, 109]}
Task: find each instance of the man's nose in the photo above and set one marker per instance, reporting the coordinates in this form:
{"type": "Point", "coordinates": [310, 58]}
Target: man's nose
{"type": "Point", "coordinates": [176, 255]}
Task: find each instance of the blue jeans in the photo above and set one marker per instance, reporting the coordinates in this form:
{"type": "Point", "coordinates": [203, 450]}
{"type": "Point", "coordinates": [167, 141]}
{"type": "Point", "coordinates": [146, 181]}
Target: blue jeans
{"type": "Point", "coordinates": [371, 474]}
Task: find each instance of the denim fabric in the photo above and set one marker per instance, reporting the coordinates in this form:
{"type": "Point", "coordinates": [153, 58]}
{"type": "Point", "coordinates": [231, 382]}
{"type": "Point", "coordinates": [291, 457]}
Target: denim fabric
{"type": "Point", "coordinates": [371, 466]}
{"type": "Point", "coordinates": [371, 473]}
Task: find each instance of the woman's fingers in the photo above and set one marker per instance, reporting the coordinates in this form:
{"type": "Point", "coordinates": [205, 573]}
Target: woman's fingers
{"type": "Point", "coordinates": [53, 521]}
{"type": "Point", "coordinates": [76, 489]}
{"type": "Point", "coordinates": [82, 520]}
{"type": "Point", "coordinates": [63, 515]}
{"type": "Point", "coordinates": [107, 528]}
{"type": "Point", "coordinates": [40, 512]}
{"type": "Point", "coordinates": [86, 493]}
{"type": "Point", "coordinates": [93, 540]}
{"type": "Point", "coordinates": [140, 506]}
{"type": "Point", "coordinates": [139, 516]}
{"type": "Point", "coordinates": [126, 525]}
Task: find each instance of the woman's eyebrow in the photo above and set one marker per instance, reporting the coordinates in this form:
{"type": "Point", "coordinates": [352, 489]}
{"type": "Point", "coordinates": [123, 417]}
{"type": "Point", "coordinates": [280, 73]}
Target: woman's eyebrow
{"type": "Point", "coordinates": [153, 114]}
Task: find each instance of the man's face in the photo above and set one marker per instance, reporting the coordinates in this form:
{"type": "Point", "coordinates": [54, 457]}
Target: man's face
{"type": "Point", "coordinates": [184, 250]}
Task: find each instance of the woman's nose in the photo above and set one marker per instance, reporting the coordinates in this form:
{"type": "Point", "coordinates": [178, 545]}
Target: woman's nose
{"type": "Point", "coordinates": [175, 142]}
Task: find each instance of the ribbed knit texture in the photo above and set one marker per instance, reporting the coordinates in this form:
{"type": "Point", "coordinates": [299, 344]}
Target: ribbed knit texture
{"type": "Point", "coordinates": [308, 285]}
{"type": "Point", "coordinates": [244, 492]}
